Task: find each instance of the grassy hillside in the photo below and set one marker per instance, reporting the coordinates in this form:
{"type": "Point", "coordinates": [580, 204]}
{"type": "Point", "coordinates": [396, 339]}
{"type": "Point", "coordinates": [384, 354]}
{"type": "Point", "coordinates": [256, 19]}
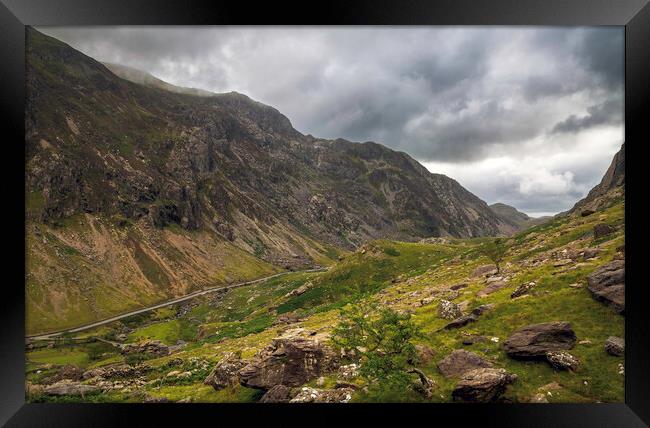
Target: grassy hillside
{"type": "Point", "coordinates": [409, 277]}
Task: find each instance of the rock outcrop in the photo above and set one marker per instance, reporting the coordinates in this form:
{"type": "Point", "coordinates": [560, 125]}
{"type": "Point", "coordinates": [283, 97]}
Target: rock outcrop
{"type": "Point", "coordinates": [291, 360]}
{"type": "Point", "coordinates": [607, 284]}
{"type": "Point", "coordinates": [535, 340]}
{"type": "Point", "coordinates": [68, 387]}
{"type": "Point", "coordinates": [226, 372]}
{"type": "Point", "coordinates": [482, 385]}
{"type": "Point", "coordinates": [460, 362]}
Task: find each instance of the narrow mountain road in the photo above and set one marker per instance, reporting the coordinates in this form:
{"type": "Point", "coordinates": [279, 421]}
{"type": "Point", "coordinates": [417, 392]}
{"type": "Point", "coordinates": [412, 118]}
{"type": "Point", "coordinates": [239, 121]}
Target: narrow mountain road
{"type": "Point", "coordinates": [167, 303]}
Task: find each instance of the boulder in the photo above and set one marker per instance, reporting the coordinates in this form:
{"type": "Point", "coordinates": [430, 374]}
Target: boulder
{"type": "Point", "coordinates": [277, 394]}
{"type": "Point", "coordinates": [602, 229]}
{"type": "Point", "coordinates": [585, 213]}
{"type": "Point", "coordinates": [492, 279]}
{"type": "Point", "coordinates": [226, 372]}
{"type": "Point", "coordinates": [470, 340]}
{"type": "Point", "coordinates": [424, 354]}
{"type": "Point", "coordinates": [460, 362]}
{"type": "Point", "coordinates": [523, 289]}
{"type": "Point", "coordinates": [448, 310]}
{"type": "Point", "coordinates": [484, 270]}
{"type": "Point", "coordinates": [590, 253]}
{"type": "Point", "coordinates": [562, 360]}
{"type": "Point", "coordinates": [459, 286]}
{"type": "Point", "coordinates": [290, 360]}
{"type": "Point", "coordinates": [68, 387]}
{"type": "Point", "coordinates": [482, 385]}
{"type": "Point", "coordinates": [466, 319]}
{"type": "Point", "coordinates": [607, 284]}
{"type": "Point", "coordinates": [536, 340]}
{"type": "Point", "coordinates": [313, 395]}
{"type": "Point", "coordinates": [491, 288]}
{"type": "Point", "coordinates": [615, 346]}
{"type": "Point", "coordinates": [350, 371]}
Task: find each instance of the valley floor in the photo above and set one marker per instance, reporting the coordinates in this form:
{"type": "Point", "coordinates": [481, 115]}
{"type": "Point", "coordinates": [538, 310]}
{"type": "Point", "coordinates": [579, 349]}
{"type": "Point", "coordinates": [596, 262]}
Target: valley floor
{"type": "Point", "coordinates": [167, 354]}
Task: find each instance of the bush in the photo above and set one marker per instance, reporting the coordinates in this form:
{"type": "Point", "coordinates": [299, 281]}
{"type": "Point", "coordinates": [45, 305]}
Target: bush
{"type": "Point", "coordinates": [380, 339]}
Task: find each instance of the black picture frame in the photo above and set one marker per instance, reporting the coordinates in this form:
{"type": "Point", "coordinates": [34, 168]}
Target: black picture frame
{"type": "Point", "coordinates": [16, 14]}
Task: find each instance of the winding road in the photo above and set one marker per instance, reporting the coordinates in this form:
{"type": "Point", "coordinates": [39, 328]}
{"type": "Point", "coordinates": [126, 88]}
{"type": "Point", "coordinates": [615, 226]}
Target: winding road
{"type": "Point", "coordinates": [167, 303]}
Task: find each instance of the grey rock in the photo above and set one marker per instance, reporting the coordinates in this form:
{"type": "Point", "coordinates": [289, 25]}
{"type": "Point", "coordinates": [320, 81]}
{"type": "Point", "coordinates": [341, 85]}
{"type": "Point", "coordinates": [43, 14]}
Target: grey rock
{"type": "Point", "coordinates": [482, 385]}
{"type": "Point", "coordinates": [615, 346]}
{"type": "Point", "coordinates": [460, 362]}
{"type": "Point", "coordinates": [607, 284]}
{"type": "Point", "coordinates": [537, 339]}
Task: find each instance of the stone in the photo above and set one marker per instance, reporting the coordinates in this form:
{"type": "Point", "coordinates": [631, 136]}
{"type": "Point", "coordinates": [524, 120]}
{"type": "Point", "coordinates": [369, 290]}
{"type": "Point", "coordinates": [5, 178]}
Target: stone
{"type": "Point", "coordinates": [459, 286]}
{"type": "Point", "coordinates": [484, 270]}
{"type": "Point", "coordinates": [69, 371]}
{"type": "Point", "coordinates": [466, 319]}
{"type": "Point", "coordinates": [590, 253]}
{"type": "Point", "coordinates": [313, 395]}
{"type": "Point", "coordinates": [536, 340]}
{"type": "Point", "coordinates": [562, 262]}
{"type": "Point", "coordinates": [492, 279]}
{"type": "Point", "coordinates": [461, 322]}
{"type": "Point", "coordinates": [68, 387]}
{"type": "Point", "coordinates": [448, 310]}
{"type": "Point", "coordinates": [602, 229]}
{"type": "Point", "coordinates": [482, 385]}
{"type": "Point", "coordinates": [562, 360]}
{"type": "Point", "coordinates": [471, 340]}
{"type": "Point", "coordinates": [290, 360]}
{"type": "Point", "coordinates": [424, 354]}
{"type": "Point", "coordinates": [523, 289]}
{"type": "Point", "coordinates": [615, 346]}
{"type": "Point", "coordinates": [585, 213]}
{"type": "Point", "coordinates": [491, 288]}
{"type": "Point", "coordinates": [607, 284]}
{"type": "Point", "coordinates": [226, 372]}
{"type": "Point", "coordinates": [460, 362]}
{"type": "Point", "coordinates": [149, 347]}
{"type": "Point", "coordinates": [277, 394]}
{"type": "Point", "coordinates": [350, 371]}
{"type": "Point", "coordinates": [539, 398]}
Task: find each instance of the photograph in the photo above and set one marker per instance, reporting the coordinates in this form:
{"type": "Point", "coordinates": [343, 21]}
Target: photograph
{"type": "Point", "coordinates": [325, 214]}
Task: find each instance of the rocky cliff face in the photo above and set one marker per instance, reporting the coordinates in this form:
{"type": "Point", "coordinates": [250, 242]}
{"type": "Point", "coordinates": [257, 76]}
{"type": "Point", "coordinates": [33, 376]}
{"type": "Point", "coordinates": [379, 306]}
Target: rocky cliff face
{"type": "Point", "coordinates": [610, 188]}
{"type": "Point", "coordinates": [515, 218]}
{"type": "Point", "coordinates": [151, 166]}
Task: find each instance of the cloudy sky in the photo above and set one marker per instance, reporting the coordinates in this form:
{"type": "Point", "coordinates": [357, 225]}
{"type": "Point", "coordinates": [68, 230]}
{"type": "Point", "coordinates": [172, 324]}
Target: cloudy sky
{"type": "Point", "coordinates": [528, 116]}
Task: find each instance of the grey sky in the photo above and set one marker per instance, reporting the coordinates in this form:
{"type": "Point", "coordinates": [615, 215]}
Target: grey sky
{"type": "Point", "coordinates": [528, 116]}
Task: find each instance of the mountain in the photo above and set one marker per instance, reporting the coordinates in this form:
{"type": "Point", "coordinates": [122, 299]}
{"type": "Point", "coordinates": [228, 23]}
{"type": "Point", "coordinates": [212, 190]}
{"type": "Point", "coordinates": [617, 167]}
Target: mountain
{"type": "Point", "coordinates": [136, 193]}
{"type": "Point", "coordinates": [517, 219]}
{"type": "Point", "coordinates": [137, 76]}
{"type": "Point", "coordinates": [610, 189]}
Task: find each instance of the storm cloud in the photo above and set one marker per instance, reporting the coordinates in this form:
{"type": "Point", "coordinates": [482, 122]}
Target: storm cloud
{"type": "Point", "coordinates": [500, 109]}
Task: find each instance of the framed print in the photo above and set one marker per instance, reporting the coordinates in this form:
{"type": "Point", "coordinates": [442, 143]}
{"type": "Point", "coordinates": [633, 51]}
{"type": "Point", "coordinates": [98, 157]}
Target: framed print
{"type": "Point", "coordinates": [375, 211]}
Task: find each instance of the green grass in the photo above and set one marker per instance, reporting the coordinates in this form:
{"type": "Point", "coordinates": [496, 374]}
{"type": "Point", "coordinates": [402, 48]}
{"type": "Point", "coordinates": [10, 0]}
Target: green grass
{"type": "Point", "coordinates": [168, 332]}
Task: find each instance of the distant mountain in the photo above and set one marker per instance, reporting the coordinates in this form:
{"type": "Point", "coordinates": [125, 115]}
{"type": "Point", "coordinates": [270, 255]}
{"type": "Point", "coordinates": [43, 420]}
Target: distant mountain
{"type": "Point", "coordinates": [136, 192]}
{"type": "Point", "coordinates": [518, 220]}
{"type": "Point", "coordinates": [610, 189]}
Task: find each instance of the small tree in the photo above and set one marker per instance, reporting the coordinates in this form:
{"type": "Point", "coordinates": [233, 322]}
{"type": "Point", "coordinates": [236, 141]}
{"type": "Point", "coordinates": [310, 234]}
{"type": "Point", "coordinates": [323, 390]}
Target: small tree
{"type": "Point", "coordinates": [380, 339]}
{"type": "Point", "coordinates": [496, 251]}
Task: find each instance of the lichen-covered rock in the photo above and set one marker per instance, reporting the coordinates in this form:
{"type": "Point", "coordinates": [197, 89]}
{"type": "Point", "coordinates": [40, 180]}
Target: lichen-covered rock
{"type": "Point", "coordinates": [290, 360]}
{"type": "Point", "coordinates": [537, 339]}
{"type": "Point", "coordinates": [482, 385]}
{"type": "Point", "coordinates": [562, 360]}
{"type": "Point", "coordinates": [449, 310]}
{"type": "Point", "coordinates": [484, 270]}
{"type": "Point", "coordinates": [313, 395]}
{"type": "Point", "coordinates": [523, 289]}
{"type": "Point", "coordinates": [615, 346]}
{"type": "Point", "coordinates": [226, 372]}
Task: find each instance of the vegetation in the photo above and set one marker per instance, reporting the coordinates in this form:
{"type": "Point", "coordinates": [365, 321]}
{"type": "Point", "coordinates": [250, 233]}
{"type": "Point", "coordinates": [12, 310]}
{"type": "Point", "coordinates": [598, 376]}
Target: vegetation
{"type": "Point", "coordinates": [496, 251]}
{"type": "Point", "coordinates": [380, 339]}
